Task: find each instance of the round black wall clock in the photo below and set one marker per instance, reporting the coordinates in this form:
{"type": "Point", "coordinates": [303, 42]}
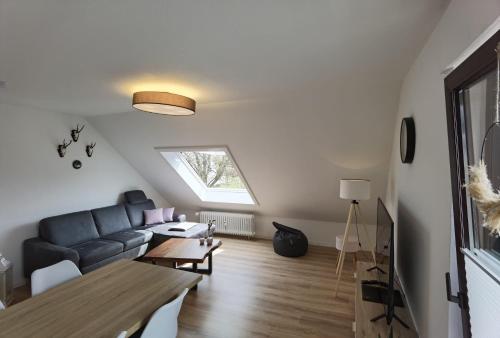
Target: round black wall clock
{"type": "Point", "coordinates": [407, 140]}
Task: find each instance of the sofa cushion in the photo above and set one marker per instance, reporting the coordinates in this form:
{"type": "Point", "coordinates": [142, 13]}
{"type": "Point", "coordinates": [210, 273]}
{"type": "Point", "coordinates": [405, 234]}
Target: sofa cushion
{"type": "Point", "coordinates": [135, 196]}
{"type": "Point", "coordinates": [135, 212]}
{"type": "Point", "coordinates": [168, 214]}
{"type": "Point", "coordinates": [96, 250]}
{"type": "Point", "coordinates": [69, 229]}
{"type": "Point", "coordinates": [148, 227]}
{"type": "Point", "coordinates": [154, 216]}
{"type": "Point", "coordinates": [111, 219]}
{"type": "Point", "coordinates": [130, 238]}
{"type": "Point", "coordinates": [129, 254]}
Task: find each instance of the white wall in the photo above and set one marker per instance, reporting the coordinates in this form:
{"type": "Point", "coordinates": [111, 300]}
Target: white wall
{"type": "Point", "coordinates": [36, 183]}
{"type": "Point", "coordinates": [318, 232]}
{"type": "Point", "coordinates": [419, 194]}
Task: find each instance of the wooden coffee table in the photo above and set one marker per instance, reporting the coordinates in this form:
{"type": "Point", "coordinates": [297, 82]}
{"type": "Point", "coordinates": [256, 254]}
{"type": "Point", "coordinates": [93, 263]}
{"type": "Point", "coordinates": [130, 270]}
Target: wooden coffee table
{"type": "Point", "coordinates": [178, 251]}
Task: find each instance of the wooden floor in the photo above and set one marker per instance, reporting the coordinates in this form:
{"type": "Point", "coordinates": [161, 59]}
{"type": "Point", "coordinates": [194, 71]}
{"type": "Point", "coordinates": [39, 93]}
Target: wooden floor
{"type": "Point", "coordinates": [255, 293]}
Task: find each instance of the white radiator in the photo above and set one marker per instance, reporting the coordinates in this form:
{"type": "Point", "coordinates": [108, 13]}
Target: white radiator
{"type": "Point", "coordinates": [230, 223]}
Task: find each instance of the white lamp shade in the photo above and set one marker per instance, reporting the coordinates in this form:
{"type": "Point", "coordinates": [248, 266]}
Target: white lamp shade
{"type": "Point", "coordinates": [355, 189]}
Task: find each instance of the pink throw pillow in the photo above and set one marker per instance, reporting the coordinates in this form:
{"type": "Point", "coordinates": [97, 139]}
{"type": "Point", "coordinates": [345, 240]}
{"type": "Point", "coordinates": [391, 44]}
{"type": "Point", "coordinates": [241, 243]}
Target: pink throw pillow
{"type": "Point", "coordinates": [168, 214]}
{"type": "Point", "coordinates": [154, 216]}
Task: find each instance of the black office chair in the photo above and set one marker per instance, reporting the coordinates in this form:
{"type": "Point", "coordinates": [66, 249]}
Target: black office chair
{"type": "Point", "coordinates": [289, 242]}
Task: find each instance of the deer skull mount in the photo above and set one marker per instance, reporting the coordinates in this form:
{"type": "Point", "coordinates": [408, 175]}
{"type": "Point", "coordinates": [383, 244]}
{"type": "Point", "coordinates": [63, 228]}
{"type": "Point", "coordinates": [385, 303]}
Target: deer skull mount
{"type": "Point", "coordinates": [90, 149]}
{"type": "Point", "coordinates": [75, 133]}
{"type": "Point", "coordinates": [61, 149]}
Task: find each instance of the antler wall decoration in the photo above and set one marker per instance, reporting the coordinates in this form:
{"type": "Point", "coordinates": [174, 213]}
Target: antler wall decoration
{"type": "Point", "coordinates": [61, 149]}
{"type": "Point", "coordinates": [90, 149]}
{"type": "Point", "coordinates": [75, 133]}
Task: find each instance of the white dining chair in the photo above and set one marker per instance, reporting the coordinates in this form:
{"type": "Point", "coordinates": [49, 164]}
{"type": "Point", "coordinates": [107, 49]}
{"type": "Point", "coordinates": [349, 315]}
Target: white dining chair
{"type": "Point", "coordinates": [51, 276]}
{"type": "Point", "coordinates": [163, 323]}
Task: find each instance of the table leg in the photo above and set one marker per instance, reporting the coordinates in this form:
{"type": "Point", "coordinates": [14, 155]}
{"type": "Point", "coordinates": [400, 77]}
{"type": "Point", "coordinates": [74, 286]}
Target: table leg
{"type": "Point", "coordinates": [210, 263]}
{"type": "Point", "coordinates": [195, 269]}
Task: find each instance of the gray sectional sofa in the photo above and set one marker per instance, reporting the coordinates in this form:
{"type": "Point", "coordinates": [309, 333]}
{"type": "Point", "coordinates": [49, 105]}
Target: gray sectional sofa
{"type": "Point", "coordinates": [94, 238]}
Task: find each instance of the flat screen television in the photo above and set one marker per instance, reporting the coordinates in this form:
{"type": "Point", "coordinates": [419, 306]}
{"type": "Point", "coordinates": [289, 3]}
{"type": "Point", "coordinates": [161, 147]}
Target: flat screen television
{"type": "Point", "coordinates": [385, 228]}
{"type": "Point", "coordinates": [380, 291]}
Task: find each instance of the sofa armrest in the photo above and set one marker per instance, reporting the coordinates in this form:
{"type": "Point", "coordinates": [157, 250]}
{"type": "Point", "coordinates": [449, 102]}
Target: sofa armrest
{"type": "Point", "coordinates": [179, 217]}
{"type": "Point", "coordinates": [38, 253]}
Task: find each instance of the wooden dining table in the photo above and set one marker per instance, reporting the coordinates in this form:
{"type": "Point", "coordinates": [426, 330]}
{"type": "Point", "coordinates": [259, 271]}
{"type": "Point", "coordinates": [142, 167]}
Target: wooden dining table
{"type": "Point", "coordinates": [118, 297]}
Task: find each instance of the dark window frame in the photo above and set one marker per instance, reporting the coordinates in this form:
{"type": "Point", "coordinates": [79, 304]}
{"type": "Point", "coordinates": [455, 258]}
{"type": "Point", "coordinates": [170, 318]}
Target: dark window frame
{"type": "Point", "coordinates": [477, 65]}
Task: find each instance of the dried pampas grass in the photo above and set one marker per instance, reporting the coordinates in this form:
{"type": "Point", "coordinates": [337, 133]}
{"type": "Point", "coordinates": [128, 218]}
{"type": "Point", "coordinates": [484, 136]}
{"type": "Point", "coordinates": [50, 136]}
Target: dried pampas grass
{"type": "Point", "coordinates": [487, 200]}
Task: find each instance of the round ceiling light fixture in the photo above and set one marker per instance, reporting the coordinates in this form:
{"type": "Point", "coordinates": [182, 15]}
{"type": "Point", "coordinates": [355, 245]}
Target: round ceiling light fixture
{"type": "Point", "coordinates": [163, 103]}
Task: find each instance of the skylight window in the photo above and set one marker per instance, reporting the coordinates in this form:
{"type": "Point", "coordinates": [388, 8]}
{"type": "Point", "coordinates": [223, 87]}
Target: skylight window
{"type": "Point", "coordinates": [211, 173]}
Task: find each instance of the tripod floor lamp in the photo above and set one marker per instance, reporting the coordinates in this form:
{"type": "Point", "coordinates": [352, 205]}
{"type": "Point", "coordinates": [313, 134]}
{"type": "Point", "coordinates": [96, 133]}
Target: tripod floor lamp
{"type": "Point", "coordinates": [355, 190]}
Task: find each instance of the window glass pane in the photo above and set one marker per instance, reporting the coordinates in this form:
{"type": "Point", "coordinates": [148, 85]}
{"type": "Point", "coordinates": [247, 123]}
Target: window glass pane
{"type": "Point", "coordinates": [478, 105]}
{"type": "Point", "coordinates": [214, 168]}
{"type": "Point", "coordinates": [211, 174]}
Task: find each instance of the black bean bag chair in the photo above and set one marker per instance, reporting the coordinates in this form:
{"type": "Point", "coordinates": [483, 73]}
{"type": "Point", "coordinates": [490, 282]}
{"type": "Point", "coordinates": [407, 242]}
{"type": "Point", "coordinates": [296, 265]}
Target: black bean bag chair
{"type": "Point", "coordinates": [289, 242]}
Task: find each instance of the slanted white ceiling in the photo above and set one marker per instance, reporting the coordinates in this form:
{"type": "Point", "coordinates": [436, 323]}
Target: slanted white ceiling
{"type": "Point", "coordinates": [86, 57]}
{"type": "Point", "coordinates": [302, 92]}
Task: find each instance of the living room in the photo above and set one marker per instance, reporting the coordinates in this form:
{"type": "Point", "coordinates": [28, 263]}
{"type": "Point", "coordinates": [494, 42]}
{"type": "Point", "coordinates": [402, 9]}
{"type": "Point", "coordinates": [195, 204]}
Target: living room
{"type": "Point", "coordinates": [298, 129]}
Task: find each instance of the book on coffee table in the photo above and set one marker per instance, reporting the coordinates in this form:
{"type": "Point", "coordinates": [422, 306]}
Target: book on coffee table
{"type": "Point", "coordinates": [183, 226]}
